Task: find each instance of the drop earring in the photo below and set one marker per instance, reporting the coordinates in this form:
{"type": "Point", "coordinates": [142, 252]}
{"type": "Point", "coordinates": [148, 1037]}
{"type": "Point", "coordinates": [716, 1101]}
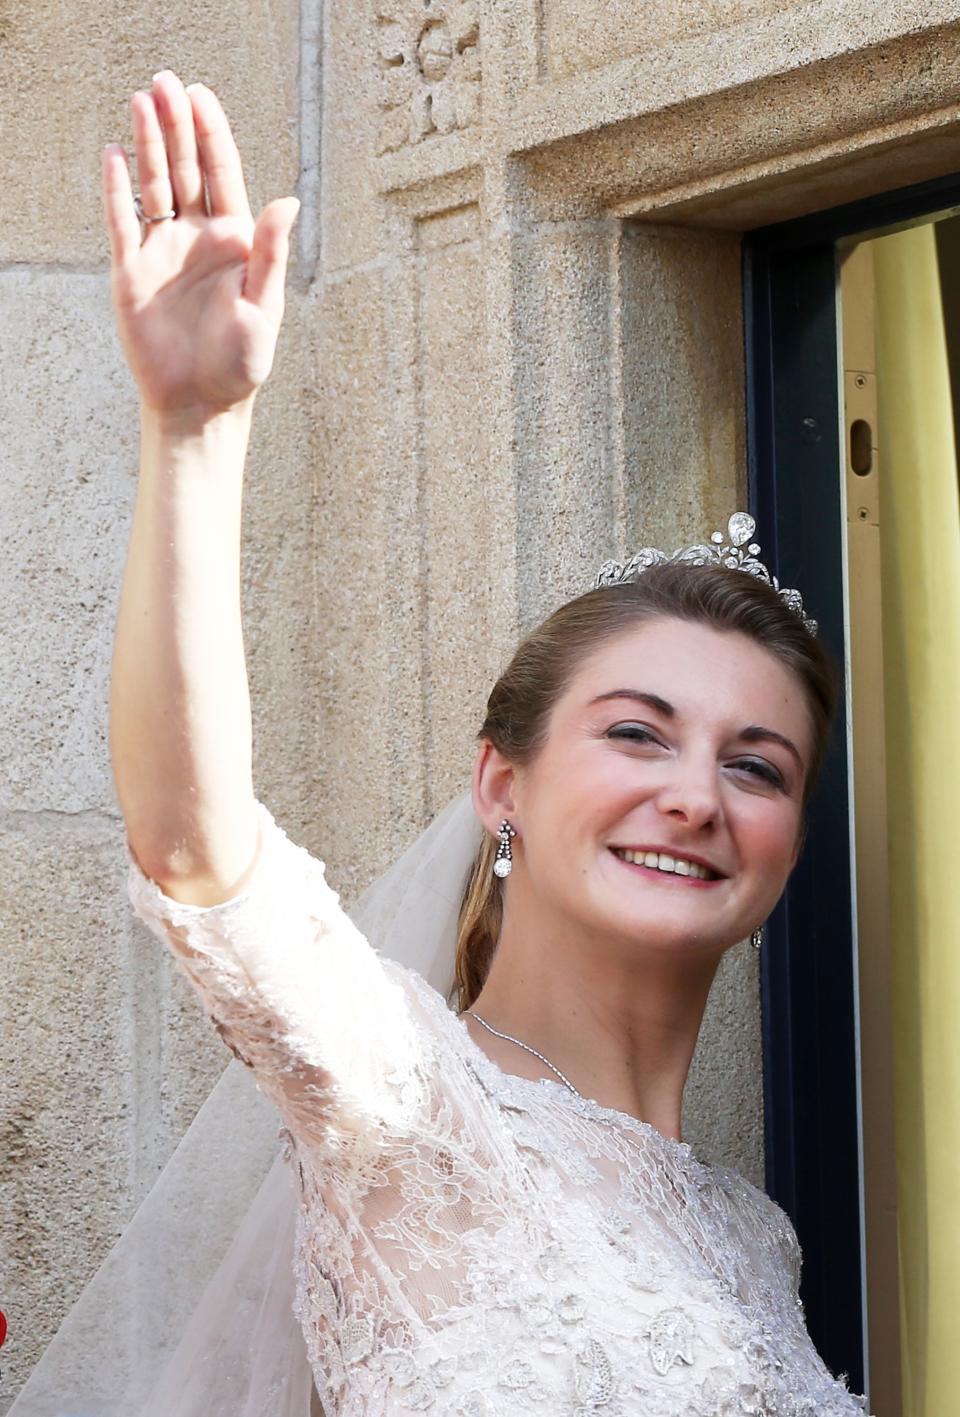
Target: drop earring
{"type": "Point", "coordinates": [503, 865]}
{"type": "Point", "coordinates": [756, 939]}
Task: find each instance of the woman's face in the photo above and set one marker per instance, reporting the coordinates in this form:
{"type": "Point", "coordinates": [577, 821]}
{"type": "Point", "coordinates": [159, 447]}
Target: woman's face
{"type": "Point", "coordinates": [673, 740]}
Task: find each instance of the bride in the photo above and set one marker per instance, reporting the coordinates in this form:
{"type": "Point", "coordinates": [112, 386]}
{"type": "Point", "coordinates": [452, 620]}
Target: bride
{"type": "Point", "coordinates": [495, 1211]}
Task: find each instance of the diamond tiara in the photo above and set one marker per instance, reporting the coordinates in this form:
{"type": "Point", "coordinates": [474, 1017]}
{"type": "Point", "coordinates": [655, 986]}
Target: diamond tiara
{"type": "Point", "coordinates": [737, 551]}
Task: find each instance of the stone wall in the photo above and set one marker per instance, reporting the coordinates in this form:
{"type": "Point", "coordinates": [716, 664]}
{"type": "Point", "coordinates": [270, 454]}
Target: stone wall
{"type": "Point", "coordinates": [104, 1056]}
{"type": "Point", "coordinates": [513, 348]}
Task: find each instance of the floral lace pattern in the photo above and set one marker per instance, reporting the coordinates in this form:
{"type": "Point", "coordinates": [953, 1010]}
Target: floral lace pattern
{"type": "Point", "coordinates": [470, 1242]}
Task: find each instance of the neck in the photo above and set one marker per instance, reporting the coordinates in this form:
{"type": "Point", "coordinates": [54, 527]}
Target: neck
{"type": "Point", "coordinates": [619, 1021]}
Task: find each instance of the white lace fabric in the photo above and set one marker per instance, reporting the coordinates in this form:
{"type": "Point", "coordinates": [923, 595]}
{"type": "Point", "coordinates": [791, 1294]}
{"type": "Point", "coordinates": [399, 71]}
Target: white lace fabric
{"type": "Point", "coordinates": [470, 1242]}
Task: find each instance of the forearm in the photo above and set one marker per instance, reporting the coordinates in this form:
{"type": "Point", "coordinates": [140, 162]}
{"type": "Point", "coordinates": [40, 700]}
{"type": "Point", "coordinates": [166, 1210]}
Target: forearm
{"type": "Point", "coordinates": [180, 709]}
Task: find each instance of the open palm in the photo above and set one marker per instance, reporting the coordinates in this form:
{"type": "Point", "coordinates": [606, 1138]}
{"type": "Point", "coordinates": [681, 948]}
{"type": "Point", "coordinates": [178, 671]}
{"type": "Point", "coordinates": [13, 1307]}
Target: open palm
{"type": "Point", "coordinates": [199, 299]}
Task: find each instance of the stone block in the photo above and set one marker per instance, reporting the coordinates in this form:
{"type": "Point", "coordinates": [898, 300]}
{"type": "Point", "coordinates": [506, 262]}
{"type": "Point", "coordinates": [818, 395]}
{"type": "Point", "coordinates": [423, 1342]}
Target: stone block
{"type": "Point", "coordinates": [750, 123]}
{"type": "Point", "coordinates": [353, 71]}
{"type": "Point", "coordinates": [462, 532]}
{"type": "Point", "coordinates": [403, 546]}
{"type": "Point", "coordinates": [68, 1095]}
{"type": "Point", "coordinates": [683, 414]}
{"type": "Point", "coordinates": [280, 580]}
{"type": "Point", "coordinates": [566, 469]}
{"type": "Point", "coordinates": [578, 37]}
{"type": "Point", "coordinates": [366, 786]}
{"type": "Point", "coordinates": [66, 496]}
{"type": "Point", "coordinates": [68, 75]}
{"type": "Point", "coordinates": [723, 1100]}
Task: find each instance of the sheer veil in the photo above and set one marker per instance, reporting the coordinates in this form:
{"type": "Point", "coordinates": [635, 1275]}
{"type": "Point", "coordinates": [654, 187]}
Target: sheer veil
{"type": "Point", "coordinates": [191, 1311]}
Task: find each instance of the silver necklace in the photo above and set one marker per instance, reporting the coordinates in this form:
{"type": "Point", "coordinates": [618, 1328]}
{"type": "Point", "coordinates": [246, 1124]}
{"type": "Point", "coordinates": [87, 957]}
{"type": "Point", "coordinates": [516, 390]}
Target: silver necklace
{"type": "Point", "coordinates": [510, 1039]}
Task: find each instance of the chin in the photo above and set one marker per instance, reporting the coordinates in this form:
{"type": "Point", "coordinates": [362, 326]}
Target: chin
{"type": "Point", "coordinates": [659, 934]}
{"type": "Point", "coordinates": [695, 922]}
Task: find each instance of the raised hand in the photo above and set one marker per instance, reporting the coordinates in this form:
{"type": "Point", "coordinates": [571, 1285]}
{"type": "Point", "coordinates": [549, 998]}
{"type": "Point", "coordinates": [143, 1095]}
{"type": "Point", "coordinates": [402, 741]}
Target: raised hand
{"type": "Point", "coordinates": [198, 298]}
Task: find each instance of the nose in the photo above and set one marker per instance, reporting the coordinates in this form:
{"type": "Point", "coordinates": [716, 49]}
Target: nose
{"type": "Point", "coordinates": [691, 796]}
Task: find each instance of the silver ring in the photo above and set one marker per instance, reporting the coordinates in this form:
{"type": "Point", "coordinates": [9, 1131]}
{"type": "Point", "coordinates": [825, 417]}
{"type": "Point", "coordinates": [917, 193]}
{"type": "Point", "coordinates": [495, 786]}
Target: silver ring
{"type": "Point", "coordinates": [142, 216]}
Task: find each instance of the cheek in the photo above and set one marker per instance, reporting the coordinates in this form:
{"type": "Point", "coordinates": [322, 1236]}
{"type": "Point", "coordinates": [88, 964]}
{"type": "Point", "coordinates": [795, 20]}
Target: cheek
{"type": "Point", "coordinates": [768, 837]}
{"type": "Point", "coordinates": [565, 814]}
{"type": "Point", "coordinates": [568, 792]}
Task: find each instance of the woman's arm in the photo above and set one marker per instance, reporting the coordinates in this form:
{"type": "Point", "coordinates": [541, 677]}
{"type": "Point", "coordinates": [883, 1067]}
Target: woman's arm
{"type": "Point", "coordinates": [180, 710]}
{"type": "Point", "coordinates": [289, 982]}
{"type": "Point", "coordinates": [198, 305]}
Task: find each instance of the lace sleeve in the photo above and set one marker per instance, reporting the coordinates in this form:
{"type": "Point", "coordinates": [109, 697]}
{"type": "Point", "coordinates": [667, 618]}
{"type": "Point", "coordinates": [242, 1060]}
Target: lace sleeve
{"type": "Point", "coordinates": [295, 991]}
{"type": "Point", "coordinates": [785, 1242]}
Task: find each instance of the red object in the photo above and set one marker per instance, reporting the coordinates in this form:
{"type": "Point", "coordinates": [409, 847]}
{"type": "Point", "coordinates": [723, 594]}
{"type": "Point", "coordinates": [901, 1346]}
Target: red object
{"type": "Point", "coordinates": [3, 1327]}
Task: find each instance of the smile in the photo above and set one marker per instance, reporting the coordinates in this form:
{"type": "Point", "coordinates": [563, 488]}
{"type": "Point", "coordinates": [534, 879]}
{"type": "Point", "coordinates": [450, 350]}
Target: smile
{"type": "Point", "coordinates": [665, 864]}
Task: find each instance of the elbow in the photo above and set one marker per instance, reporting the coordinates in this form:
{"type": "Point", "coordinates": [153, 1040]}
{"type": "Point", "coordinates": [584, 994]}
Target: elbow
{"type": "Point", "coordinates": [192, 876]}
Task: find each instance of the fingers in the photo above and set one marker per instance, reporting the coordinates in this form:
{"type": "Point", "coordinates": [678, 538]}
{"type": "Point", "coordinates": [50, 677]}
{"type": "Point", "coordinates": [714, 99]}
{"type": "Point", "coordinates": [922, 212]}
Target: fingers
{"type": "Point", "coordinates": [218, 153]}
{"type": "Point", "coordinates": [153, 173]}
{"type": "Point", "coordinates": [183, 161]}
{"type": "Point", "coordinates": [123, 227]}
{"type": "Point", "coordinates": [267, 268]}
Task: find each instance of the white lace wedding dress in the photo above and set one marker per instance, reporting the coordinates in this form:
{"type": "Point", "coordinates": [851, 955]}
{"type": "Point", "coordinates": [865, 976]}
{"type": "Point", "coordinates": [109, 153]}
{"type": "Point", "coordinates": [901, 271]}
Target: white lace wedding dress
{"type": "Point", "coordinates": [470, 1242]}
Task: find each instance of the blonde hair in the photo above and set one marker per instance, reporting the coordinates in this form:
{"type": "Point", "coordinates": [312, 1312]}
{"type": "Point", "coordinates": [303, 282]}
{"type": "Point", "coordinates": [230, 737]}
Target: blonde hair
{"type": "Point", "coordinates": [522, 700]}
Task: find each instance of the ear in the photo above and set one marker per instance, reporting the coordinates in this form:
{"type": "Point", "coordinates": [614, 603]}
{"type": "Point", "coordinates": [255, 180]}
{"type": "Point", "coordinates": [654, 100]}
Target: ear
{"type": "Point", "coordinates": [493, 787]}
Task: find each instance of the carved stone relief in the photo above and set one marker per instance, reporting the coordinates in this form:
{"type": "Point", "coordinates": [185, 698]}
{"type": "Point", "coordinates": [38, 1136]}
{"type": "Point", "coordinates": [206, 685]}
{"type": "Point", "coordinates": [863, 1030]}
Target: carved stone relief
{"type": "Point", "coordinates": [429, 52]}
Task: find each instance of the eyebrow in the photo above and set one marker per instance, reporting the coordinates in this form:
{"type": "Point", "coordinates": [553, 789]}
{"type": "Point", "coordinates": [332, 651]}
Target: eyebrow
{"type": "Point", "coordinates": [754, 733]}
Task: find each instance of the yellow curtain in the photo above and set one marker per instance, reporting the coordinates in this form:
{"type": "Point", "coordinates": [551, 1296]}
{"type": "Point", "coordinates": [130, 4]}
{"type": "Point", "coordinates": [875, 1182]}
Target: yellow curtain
{"type": "Point", "coordinates": [920, 540]}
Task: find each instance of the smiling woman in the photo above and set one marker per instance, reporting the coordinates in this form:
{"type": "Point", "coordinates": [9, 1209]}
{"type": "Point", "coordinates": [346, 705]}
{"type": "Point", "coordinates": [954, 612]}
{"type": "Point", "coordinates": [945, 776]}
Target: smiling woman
{"type": "Point", "coordinates": [495, 1212]}
{"type": "Point", "coordinates": [638, 944]}
{"type": "Point", "coordinates": [737, 699]}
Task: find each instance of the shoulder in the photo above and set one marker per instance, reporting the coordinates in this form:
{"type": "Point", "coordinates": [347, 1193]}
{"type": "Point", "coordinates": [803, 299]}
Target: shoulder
{"type": "Point", "coordinates": [764, 1216]}
{"type": "Point", "coordinates": [434, 1015]}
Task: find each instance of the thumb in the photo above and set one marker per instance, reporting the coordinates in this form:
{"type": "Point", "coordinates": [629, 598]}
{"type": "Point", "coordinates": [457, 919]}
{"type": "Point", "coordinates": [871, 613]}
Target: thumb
{"type": "Point", "coordinates": [267, 267]}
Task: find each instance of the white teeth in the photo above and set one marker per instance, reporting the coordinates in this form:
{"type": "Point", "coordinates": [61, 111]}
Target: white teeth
{"type": "Point", "coordinates": [662, 861]}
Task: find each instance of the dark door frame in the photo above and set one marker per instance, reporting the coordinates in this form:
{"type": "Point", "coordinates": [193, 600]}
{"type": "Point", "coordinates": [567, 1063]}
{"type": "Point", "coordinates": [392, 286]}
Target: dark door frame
{"type": "Point", "coordinates": [808, 998]}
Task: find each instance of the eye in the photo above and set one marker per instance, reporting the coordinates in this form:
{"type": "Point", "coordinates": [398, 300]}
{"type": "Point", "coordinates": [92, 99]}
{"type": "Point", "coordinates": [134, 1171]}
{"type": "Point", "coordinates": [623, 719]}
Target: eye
{"type": "Point", "coordinates": [756, 767]}
{"type": "Point", "coordinates": [632, 733]}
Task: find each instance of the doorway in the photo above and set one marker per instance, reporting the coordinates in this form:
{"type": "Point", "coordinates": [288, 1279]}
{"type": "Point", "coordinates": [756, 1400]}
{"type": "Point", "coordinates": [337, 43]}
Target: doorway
{"type": "Point", "coordinates": [854, 373]}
